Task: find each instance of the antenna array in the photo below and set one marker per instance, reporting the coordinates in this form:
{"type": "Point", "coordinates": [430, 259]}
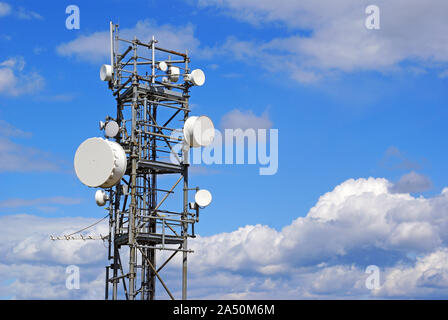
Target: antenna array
{"type": "Point", "coordinates": [143, 216]}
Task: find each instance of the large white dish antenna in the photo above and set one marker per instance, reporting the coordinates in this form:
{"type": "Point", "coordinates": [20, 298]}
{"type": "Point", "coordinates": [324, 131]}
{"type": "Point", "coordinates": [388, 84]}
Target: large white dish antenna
{"type": "Point", "coordinates": [174, 73]}
{"type": "Point", "coordinates": [106, 72]}
{"type": "Point", "coordinates": [203, 198]}
{"type": "Point", "coordinates": [101, 198]}
{"type": "Point", "coordinates": [100, 163]}
{"type": "Point", "coordinates": [196, 77]}
{"type": "Point", "coordinates": [199, 131]}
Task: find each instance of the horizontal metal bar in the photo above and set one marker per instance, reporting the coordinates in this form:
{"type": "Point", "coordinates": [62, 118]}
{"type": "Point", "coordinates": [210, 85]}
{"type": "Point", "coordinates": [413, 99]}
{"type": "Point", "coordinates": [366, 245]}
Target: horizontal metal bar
{"type": "Point", "coordinates": [167, 219]}
{"type": "Point", "coordinates": [157, 165]}
{"type": "Point", "coordinates": [165, 248]}
{"type": "Point", "coordinates": [148, 133]}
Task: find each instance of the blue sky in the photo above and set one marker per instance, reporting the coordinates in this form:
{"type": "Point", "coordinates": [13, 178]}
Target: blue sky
{"type": "Point", "coordinates": [348, 102]}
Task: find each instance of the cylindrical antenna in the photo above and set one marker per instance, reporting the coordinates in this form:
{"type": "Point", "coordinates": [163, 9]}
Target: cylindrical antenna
{"type": "Point", "coordinates": [153, 78]}
{"type": "Point", "coordinates": [111, 29]}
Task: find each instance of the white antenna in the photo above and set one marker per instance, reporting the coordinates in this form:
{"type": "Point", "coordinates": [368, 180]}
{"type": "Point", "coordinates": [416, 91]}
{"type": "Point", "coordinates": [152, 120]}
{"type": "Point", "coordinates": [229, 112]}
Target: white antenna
{"type": "Point", "coordinates": [196, 77]}
{"type": "Point", "coordinates": [199, 131]}
{"type": "Point", "coordinates": [203, 198]}
{"type": "Point", "coordinates": [100, 163]}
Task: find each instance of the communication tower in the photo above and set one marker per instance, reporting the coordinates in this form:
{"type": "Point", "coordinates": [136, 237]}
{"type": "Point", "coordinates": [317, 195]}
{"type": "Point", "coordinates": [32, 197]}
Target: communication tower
{"type": "Point", "coordinates": [151, 86]}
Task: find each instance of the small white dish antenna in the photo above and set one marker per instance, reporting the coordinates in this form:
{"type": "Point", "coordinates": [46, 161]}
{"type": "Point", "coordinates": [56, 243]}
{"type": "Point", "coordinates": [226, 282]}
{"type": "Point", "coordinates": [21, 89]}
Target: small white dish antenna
{"type": "Point", "coordinates": [165, 80]}
{"type": "Point", "coordinates": [196, 77]}
{"type": "Point", "coordinates": [101, 197]}
{"type": "Point", "coordinates": [106, 72]}
{"type": "Point", "coordinates": [199, 131]}
{"type": "Point", "coordinates": [111, 129]}
{"type": "Point", "coordinates": [203, 198]}
{"type": "Point", "coordinates": [174, 73]}
{"type": "Point", "coordinates": [162, 66]}
{"type": "Point", "coordinates": [102, 125]}
{"type": "Point", "coordinates": [100, 163]}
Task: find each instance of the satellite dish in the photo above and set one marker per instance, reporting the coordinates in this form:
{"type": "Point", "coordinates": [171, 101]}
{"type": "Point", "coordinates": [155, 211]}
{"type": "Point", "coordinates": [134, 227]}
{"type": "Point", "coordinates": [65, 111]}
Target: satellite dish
{"type": "Point", "coordinates": [106, 72]}
{"type": "Point", "coordinates": [196, 77]}
{"type": "Point", "coordinates": [203, 198]}
{"type": "Point", "coordinates": [100, 163]}
{"type": "Point", "coordinates": [162, 66]}
{"type": "Point", "coordinates": [199, 131]}
{"type": "Point", "coordinates": [111, 129]}
{"type": "Point", "coordinates": [174, 73]}
{"type": "Point", "coordinates": [101, 198]}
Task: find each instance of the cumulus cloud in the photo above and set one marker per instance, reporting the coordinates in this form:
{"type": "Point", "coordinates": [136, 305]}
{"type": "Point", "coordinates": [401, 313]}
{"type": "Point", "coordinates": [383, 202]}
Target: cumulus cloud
{"type": "Point", "coordinates": [330, 36]}
{"type": "Point", "coordinates": [34, 267]}
{"type": "Point", "coordinates": [357, 224]}
{"type": "Point", "coordinates": [14, 81]}
{"type": "Point", "coordinates": [321, 255]}
{"type": "Point", "coordinates": [95, 47]}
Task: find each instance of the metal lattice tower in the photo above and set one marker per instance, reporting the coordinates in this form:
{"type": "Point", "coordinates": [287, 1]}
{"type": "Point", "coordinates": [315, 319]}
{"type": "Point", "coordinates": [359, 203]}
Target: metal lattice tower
{"type": "Point", "coordinates": [150, 108]}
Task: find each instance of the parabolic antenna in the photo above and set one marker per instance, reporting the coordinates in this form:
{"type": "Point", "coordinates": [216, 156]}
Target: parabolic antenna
{"type": "Point", "coordinates": [101, 198]}
{"type": "Point", "coordinates": [106, 72]}
{"type": "Point", "coordinates": [100, 163]}
{"type": "Point", "coordinates": [196, 77]}
{"type": "Point", "coordinates": [162, 66]}
{"type": "Point", "coordinates": [111, 129]}
{"type": "Point", "coordinates": [203, 198]}
{"type": "Point", "coordinates": [174, 73]}
{"type": "Point", "coordinates": [199, 131]}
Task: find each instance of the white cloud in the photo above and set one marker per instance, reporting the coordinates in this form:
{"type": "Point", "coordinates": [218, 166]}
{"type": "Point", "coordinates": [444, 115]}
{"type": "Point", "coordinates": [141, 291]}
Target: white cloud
{"type": "Point", "coordinates": [34, 267]}
{"type": "Point", "coordinates": [321, 255]}
{"type": "Point", "coordinates": [14, 81]}
{"type": "Point", "coordinates": [8, 130]}
{"type": "Point", "coordinates": [20, 12]}
{"type": "Point", "coordinates": [95, 47]}
{"type": "Point", "coordinates": [237, 119]}
{"type": "Point", "coordinates": [5, 9]}
{"type": "Point", "coordinates": [18, 202]}
{"type": "Point", "coordinates": [357, 224]}
{"type": "Point", "coordinates": [19, 158]}
{"type": "Point", "coordinates": [330, 36]}
{"type": "Point", "coordinates": [25, 14]}
{"type": "Point", "coordinates": [427, 277]}
{"type": "Point", "coordinates": [64, 97]}
{"type": "Point", "coordinates": [15, 157]}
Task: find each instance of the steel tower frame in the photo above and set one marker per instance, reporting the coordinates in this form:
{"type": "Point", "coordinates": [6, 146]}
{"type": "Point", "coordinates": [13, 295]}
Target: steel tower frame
{"type": "Point", "coordinates": [148, 108]}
